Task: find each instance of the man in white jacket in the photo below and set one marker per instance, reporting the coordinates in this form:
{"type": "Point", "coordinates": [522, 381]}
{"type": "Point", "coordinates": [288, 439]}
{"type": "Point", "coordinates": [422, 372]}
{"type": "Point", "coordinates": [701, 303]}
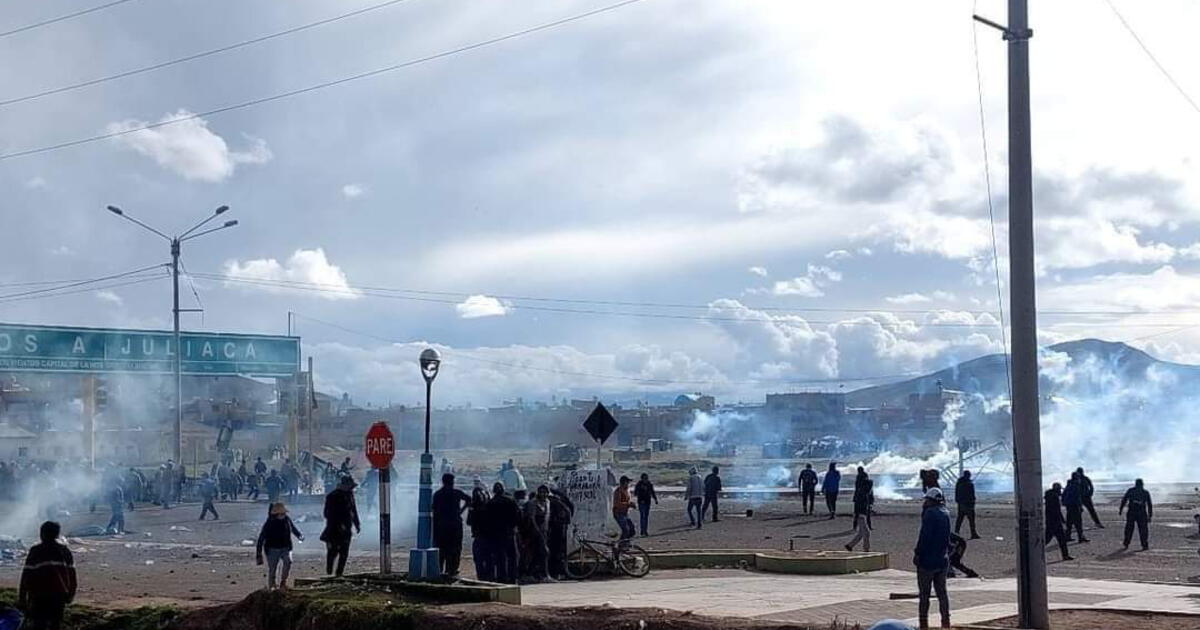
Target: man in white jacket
{"type": "Point", "coordinates": [694, 495]}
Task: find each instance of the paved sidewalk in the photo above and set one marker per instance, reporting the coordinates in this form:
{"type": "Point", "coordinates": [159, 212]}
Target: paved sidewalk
{"type": "Point", "coordinates": [863, 598]}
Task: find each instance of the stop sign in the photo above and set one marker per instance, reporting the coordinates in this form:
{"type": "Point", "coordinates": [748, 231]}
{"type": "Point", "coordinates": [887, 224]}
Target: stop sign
{"type": "Point", "coordinates": [380, 445]}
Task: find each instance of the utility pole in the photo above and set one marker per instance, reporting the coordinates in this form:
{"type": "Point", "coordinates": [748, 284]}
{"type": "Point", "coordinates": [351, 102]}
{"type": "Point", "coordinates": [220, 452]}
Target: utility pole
{"type": "Point", "coordinates": [308, 406]}
{"type": "Point", "coordinates": [1032, 602]}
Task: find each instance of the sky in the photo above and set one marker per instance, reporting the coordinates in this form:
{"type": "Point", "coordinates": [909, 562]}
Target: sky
{"type": "Point", "coordinates": [734, 197]}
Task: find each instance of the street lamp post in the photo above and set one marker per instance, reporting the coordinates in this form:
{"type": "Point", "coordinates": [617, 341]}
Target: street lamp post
{"type": "Point", "coordinates": [177, 364]}
{"type": "Point", "coordinates": [423, 561]}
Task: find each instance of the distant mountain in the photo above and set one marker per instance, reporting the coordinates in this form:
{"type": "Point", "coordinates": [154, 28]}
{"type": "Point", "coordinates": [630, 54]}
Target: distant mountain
{"type": "Point", "coordinates": [1093, 365]}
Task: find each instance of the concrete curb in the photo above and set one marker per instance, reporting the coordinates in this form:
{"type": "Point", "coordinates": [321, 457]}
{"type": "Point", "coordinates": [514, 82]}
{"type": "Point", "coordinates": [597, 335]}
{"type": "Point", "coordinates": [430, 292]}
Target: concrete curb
{"type": "Point", "coordinates": [772, 561]}
{"type": "Point", "coordinates": [1129, 611]}
{"type": "Point", "coordinates": [461, 591]}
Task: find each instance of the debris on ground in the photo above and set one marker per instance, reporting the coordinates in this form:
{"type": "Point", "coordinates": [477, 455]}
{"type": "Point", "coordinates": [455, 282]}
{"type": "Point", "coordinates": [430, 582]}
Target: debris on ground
{"type": "Point", "coordinates": [247, 543]}
{"type": "Point", "coordinates": [88, 531]}
{"type": "Point", "coordinates": [180, 528]}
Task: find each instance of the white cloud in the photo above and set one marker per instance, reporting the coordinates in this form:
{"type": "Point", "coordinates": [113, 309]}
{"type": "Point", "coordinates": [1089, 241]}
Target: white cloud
{"type": "Point", "coordinates": [36, 182]}
{"type": "Point", "coordinates": [1081, 242]}
{"type": "Point", "coordinates": [908, 298]}
{"type": "Point", "coordinates": [774, 346]}
{"type": "Point", "coordinates": [838, 254]}
{"type": "Point", "coordinates": [189, 148]}
{"type": "Point", "coordinates": [759, 271]}
{"type": "Point", "coordinates": [307, 266]}
{"type": "Point", "coordinates": [809, 285]}
{"type": "Point", "coordinates": [353, 191]}
{"type": "Point", "coordinates": [110, 297]}
{"type": "Point", "coordinates": [477, 306]}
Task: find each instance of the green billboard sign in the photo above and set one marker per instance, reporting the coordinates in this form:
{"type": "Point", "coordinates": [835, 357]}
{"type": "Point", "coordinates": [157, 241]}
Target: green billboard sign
{"type": "Point", "coordinates": [25, 348]}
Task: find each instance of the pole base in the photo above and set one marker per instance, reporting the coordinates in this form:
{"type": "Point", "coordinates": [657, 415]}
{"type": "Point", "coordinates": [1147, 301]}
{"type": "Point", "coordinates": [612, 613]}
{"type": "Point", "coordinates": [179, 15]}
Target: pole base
{"type": "Point", "coordinates": [423, 565]}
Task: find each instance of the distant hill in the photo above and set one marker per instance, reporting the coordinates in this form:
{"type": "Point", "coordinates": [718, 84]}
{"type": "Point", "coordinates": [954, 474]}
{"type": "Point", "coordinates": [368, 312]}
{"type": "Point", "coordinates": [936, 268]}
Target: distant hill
{"type": "Point", "coordinates": [1093, 363]}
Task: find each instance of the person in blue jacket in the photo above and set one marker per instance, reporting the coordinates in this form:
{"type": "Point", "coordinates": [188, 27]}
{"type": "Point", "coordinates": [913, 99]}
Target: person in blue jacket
{"type": "Point", "coordinates": [932, 557]}
{"type": "Point", "coordinates": [830, 487]}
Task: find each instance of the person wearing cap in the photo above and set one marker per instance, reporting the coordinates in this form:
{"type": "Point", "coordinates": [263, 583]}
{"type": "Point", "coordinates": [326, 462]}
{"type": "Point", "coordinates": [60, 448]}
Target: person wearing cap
{"type": "Point", "coordinates": [693, 495]}
{"type": "Point", "coordinates": [621, 503]}
{"type": "Point", "coordinates": [275, 539]}
{"type": "Point", "coordinates": [932, 557]}
{"type": "Point", "coordinates": [448, 505]}
{"type": "Point", "coordinates": [341, 514]}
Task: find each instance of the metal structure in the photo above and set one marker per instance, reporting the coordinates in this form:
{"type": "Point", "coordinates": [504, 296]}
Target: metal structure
{"type": "Point", "coordinates": [423, 560]}
{"type": "Point", "coordinates": [176, 244]}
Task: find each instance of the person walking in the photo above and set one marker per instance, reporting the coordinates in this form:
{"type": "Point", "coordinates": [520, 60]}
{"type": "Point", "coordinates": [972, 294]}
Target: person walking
{"type": "Point", "coordinates": [693, 495]}
{"type": "Point", "coordinates": [712, 489]}
{"type": "Point", "coordinates": [1073, 501]}
{"type": "Point", "coordinates": [1054, 520]}
{"type": "Point", "coordinates": [48, 581]}
{"type": "Point", "coordinates": [864, 496]}
{"type": "Point", "coordinates": [1089, 491]}
{"type": "Point", "coordinates": [503, 518]}
{"type": "Point", "coordinates": [958, 549]}
{"type": "Point", "coordinates": [964, 500]}
{"type": "Point", "coordinates": [448, 505]}
{"type": "Point", "coordinates": [644, 492]}
{"type": "Point", "coordinates": [341, 514]}
{"type": "Point", "coordinates": [808, 489]}
{"type": "Point", "coordinates": [208, 493]}
{"type": "Point", "coordinates": [1141, 511]}
{"type": "Point", "coordinates": [275, 540]}
{"type": "Point", "coordinates": [621, 502]}
{"type": "Point", "coordinates": [481, 553]}
{"type": "Point", "coordinates": [274, 486]}
{"type": "Point", "coordinates": [830, 487]}
{"type": "Point", "coordinates": [932, 557]}
{"type": "Point", "coordinates": [116, 503]}
{"type": "Point", "coordinates": [860, 487]}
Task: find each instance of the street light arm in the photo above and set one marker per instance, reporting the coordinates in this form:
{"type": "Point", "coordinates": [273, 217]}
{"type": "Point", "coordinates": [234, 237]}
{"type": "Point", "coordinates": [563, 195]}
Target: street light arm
{"type": "Point", "coordinates": [212, 216]}
{"type": "Point", "coordinates": [228, 224]}
{"type": "Point", "coordinates": [117, 211]}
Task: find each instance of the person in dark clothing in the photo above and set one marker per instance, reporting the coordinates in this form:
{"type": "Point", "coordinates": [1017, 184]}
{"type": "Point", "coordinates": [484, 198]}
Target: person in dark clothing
{"type": "Point", "coordinates": [863, 498]}
{"type": "Point", "coordinates": [712, 489]}
{"type": "Point", "coordinates": [1073, 501]}
{"type": "Point", "coordinates": [341, 514]}
{"type": "Point", "coordinates": [964, 498]}
{"type": "Point", "coordinates": [1089, 491]}
{"type": "Point", "coordinates": [503, 518]}
{"type": "Point", "coordinates": [448, 505]}
{"type": "Point", "coordinates": [260, 467]}
{"type": "Point", "coordinates": [1054, 520]}
{"type": "Point", "coordinates": [1141, 510]}
{"type": "Point", "coordinates": [562, 511]}
{"type": "Point", "coordinates": [535, 515]}
{"type": "Point", "coordinates": [861, 481]}
{"type": "Point", "coordinates": [830, 487]}
{"type": "Point", "coordinates": [808, 489]}
{"type": "Point", "coordinates": [958, 549]}
{"type": "Point", "coordinates": [275, 539]}
{"type": "Point", "coordinates": [208, 493]}
{"type": "Point", "coordinates": [477, 521]}
{"type": "Point", "coordinates": [274, 485]}
{"type": "Point", "coordinates": [116, 503]}
{"type": "Point", "coordinates": [932, 557]}
{"type": "Point", "coordinates": [644, 493]}
{"type": "Point", "coordinates": [48, 581]}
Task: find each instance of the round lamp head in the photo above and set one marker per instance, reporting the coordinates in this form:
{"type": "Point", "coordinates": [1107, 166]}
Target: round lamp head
{"type": "Point", "coordinates": [430, 362]}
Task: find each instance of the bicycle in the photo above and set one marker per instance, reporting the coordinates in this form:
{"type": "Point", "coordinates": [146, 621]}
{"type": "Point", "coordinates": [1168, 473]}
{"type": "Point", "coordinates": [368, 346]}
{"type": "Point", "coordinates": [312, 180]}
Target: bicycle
{"type": "Point", "coordinates": [622, 555]}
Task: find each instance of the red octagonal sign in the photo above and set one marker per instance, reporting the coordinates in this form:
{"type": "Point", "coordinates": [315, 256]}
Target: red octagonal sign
{"type": "Point", "coordinates": [380, 445]}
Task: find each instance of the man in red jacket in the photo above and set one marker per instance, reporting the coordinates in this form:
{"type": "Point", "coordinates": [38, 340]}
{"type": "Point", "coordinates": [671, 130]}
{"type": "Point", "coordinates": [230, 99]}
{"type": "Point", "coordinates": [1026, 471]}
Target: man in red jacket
{"type": "Point", "coordinates": [48, 581]}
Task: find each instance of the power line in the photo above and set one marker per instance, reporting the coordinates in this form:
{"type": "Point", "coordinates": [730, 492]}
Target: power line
{"type": "Point", "coordinates": [199, 55]}
{"type": "Point", "coordinates": [62, 18]}
{"type": "Point", "coordinates": [80, 283]}
{"type": "Point", "coordinates": [138, 280]}
{"type": "Point", "coordinates": [1158, 64]}
{"type": "Point", "coordinates": [320, 86]}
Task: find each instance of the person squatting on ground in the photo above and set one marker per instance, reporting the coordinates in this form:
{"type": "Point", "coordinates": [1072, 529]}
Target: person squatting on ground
{"type": "Point", "coordinates": [503, 518]}
{"type": "Point", "coordinates": [964, 500]}
{"type": "Point", "coordinates": [830, 487]}
{"type": "Point", "coordinates": [693, 495]}
{"type": "Point", "coordinates": [275, 539]}
{"type": "Point", "coordinates": [932, 557]}
{"type": "Point", "coordinates": [341, 514]}
{"type": "Point", "coordinates": [712, 489]}
{"type": "Point", "coordinates": [1141, 511]}
{"type": "Point", "coordinates": [644, 492]}
{"type": "Point", "coordinates": [808, 489]}
{"type": "Point", "coordinates": [48, 581]}
{"type": "Point", "coordinates": [864, 496]}
{"type": "Point", "coordinates": [1054, 520]}
{"type": "Point", "coordinates": [448, 505]}
{"type": "Point", "coordinates": [1073, 501]}
{"type": "Point", "coordinates": [621, 502]}
{"type": "Point", "coordinates": [1089, 491]}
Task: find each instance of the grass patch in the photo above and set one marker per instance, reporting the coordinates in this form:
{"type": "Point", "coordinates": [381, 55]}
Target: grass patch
{"type": "Point", "coordinates": [82, 617]}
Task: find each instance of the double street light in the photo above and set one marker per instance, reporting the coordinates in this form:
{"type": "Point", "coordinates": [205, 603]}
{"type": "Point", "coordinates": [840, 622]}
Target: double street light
{"type": "Point", "coordinates": [176, 242]}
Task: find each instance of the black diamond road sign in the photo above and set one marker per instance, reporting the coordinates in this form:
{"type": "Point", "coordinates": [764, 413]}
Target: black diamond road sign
{"type": "Point", "coordinates": [600, 424]}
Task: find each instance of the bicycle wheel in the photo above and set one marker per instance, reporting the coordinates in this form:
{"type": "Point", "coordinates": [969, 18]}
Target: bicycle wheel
{"type": "Point", "coordinates": [583, 563]}
{"type": "Point", "coordinates": [633, 561]}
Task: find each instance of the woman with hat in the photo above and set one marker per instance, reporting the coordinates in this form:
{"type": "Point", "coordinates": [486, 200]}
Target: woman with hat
{"type": "Point", "coordinates": [276, 539]}
{"type": "Point", "coordinates": [341, 514]}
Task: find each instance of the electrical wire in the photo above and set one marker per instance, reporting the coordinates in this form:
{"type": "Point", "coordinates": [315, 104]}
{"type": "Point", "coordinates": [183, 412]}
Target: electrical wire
{"type": "Point", "coordinates": [1154, 59]}
{"type": "Point", "coordinates": [140, 280]}
{"type": "Point", "coordinates": [320, 86]}
{"type": "Point", "coordinates": [199, 55]}
{"type": "Point", "coordinates": [195, 293]}
{"type": "Point", "coordinates": [61, 18]}
{"type": "Point", "coordinates": [80, 283]}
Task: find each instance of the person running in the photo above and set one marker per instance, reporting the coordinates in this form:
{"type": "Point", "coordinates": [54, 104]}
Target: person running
{"type": "Point", "coordinates": [1054, 520]}
{"type": "Point", "coordinates": [864, 496]}
{"type": "Point", "coordinates": [208, 493]}
{"type": "Point", "coordinates": [621, 502]}
{"type": "Point", "coordinates": [808, 489]}
{"type": "Point", "coordinates": [958, 549]}
{"type": "Point", "coordinates": [1073, 500]}
{"type": "Point", "coordinates": [48, 581]}
{"type": "Point", "coordinates": [644, 492]}
{"type": "Point", "coordinates": [448, 505]}
{"type": "Point", "coordinates": [1089, 491]}
{"type": "Point", "coordinates": [1141, 510]}
{"type": "Point", "coordinates": [830, 487]}
{"type": "Point", "coordinates": [932, 557]}
{"type": "Point", "coordinates": [693, 495]}
{"type": "Point", "coordinates": [275, 539]}
{"type": "Point", "coordinates": [964, 500]}
{"type": "Point", "coordinates": [341, 514]}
